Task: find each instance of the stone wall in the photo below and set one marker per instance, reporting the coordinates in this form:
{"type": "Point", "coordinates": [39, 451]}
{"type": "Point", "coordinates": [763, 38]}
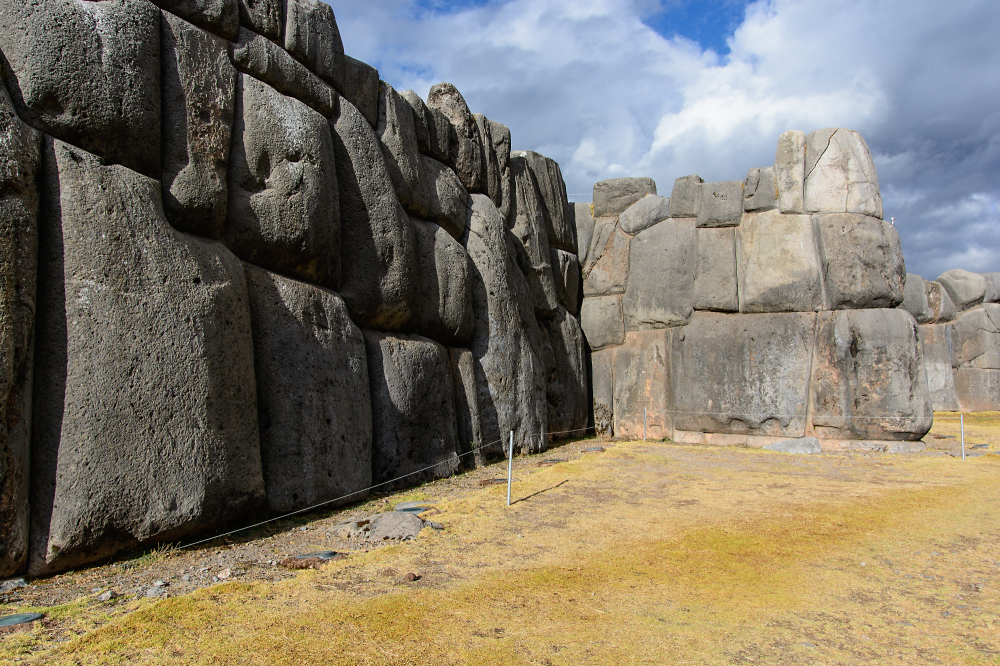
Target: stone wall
{"type": "Point", "coordinates": [742, 312]}
{"type": "Point", "coordinates": [243, 276]}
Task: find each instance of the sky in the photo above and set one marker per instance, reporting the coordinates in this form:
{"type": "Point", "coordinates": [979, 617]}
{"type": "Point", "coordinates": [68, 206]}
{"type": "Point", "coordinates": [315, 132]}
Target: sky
{"type": "Point", "coordinates": [666, 88]}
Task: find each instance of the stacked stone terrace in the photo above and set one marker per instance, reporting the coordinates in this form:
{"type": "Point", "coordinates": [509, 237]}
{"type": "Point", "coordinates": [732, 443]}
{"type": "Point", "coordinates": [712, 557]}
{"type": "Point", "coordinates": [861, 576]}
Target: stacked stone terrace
{"type": "Point", "coordinates": [747, 312]}
{"type": "Point", "coordinates": [243, 276]}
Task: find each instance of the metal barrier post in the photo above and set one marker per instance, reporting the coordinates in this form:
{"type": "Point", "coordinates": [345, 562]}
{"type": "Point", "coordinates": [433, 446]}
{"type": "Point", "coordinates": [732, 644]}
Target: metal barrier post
{"type": "Point", "coordinates": [963, 436]}
{"type": "Point", "coordinates": [510, 464]}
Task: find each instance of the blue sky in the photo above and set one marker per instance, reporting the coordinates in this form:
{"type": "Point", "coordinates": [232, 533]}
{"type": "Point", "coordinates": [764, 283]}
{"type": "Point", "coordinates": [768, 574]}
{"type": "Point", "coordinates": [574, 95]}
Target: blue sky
{"type": "Point", "coordinates": [665, 88]}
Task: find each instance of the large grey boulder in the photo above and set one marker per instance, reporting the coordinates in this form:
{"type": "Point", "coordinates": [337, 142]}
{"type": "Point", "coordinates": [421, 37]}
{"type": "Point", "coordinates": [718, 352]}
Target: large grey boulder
{"type": "Point", "coordinates": [935, 341]}
{"type": "Point", "coordinates": [20, 159]}
{"type": "Point", "coordinates": [760, 191]}
{"type": "Point", "coordinates": [445, 313]}
{"type": "Point", "coordinates": [583, 214]}
{"type": "Point", "coordinates": [263, 16]}
{"type": "Point", "coordinates": [966, 289]}
{"type": "Point", "coordinates": [312, 393]}
{"type": "Point", "coordinates": [840, 174]}
{"type": "Point", "coordinates": [432, 127]}
{"type": "Point", "coordinates": [527, 223]}
{"type": "Point", "coordinates": [868, 377]}
{"type": "Point", "coordinates": [790, 171]}
{"type": "Point", "coordinates": [915, 299]}
{"type": "Point", "coordinates": [662, 264]}
{"type": "Point", "coordinates": [360, 88]}
{"type": "Point", "coordinates": [219, 16]}
{"type": "Point", "coordinates": [567, 272]}
{"type": "Point", "coordinates": [566, 376]}
{"type": "Point", "coordinates": [88, 73]}
{"type": "Point", "coordinates": [743, 373]}
{"type": "Point", "coordinates": [800, 446]}
{"type": "Point", "coordinates": [778, 264]}
{"type": "Point", "coordinates": [721, 204]}
{"type": "Point", "coordinates": [643, 214]}
{"type": "Point", "coordinates": [440, 196]}
{"type": "Point", "coordinates": [613, 197]}
{"type": "Point", "coordinates": [992, 288]}
{"type": "Point", "coordinates": [505, 340]}
{"type": "Point", "coordinates": [467, 419]}
{"type": "Point", "coordinates": [379, 280]}
{"type": "Point", "coordinates": [715, 280]}
{"type": "Point", "coordinates": [198, 104]}
{"type": "Point", "coordinates": [414, 436]}
{"type": "Point", "coordinates": [313, 38]}
{"type": "Point", "coordinates": [862, 261]}
{"type": "Point", "coordinates": [940, 302]}
{"type": "Point", "coordinates": [264, 60]}
{"type": "Point", "coordinates": [977, 390]}
{"type": "Point", "coordinates": [602, 381]}
{"type": "Point", "coordinates": [643, 392]}
{"type": "Point", "coordinates": [685, 198]}
{"type": "Point", "coordinates": [283, 203]}
{"type": "Point", "coordinates": [559, 221]}
{"type": "Point", "coordinates": [145, 404]}
{"type": "Point", "coordinates": [602, 321]}
{"type": "Point", "coordinates": [975, 338]}
{"type": "Point", "coordinates": [466, 144]}
{"type": "Point", "coordinates": [606, 270]}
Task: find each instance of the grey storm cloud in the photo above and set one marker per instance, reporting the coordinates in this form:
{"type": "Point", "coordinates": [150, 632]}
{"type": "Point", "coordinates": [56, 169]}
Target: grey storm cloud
{"type": "Point", "coordinates": [589, 84]}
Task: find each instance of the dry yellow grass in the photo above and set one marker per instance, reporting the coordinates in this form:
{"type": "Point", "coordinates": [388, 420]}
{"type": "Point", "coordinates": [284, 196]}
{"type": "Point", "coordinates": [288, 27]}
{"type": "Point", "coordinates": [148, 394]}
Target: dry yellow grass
{"type": "Point", "coordinates": [648, 553]}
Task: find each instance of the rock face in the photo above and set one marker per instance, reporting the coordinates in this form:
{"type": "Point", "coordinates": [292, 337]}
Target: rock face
{"type": "Point", "coordinates": [20, 158]}
{"type": "Point", "coordinates": [977, 390]}
{"type": "Point", "coordinates": [445, 313]}
{"type": "Point", "coordinates": [584, 229]}
{"type": "Point", "coordinates": [527, 223]}
{"type": "Point", "coordinates": [915, 299]}
{"type": "Point", "coordinates": [198, 104]}
{"type": "Point", "coordinates": [559, 223]}
{"type": "Point", "coordinates": [760, 192]}
{"type": "Point", "coordinates": [413, 411]}
{"type": "Point", "coordinates": [499, 186]}
{"type": "Point", "coordinates": [567, 274]}
{"type": "Point", "coordinates": [602, 321]}
{"type": "Point", "coordinates": [935, 341]}
{"type": "Point", "coordinates": [862, 261]}
{"type": "Point", "coordinates": [715, 281]}
{"type": "Point", "coordinates": [976, 338]}
{"type": "Point", "coordinates": [662, 265]}
{"type": "Point", "coordinates": [262, 16]}
{"type": "Point", "coordinates": [779, 268]}
{"type": "Point", "coordinates": [613, 197]}
{"type": "Point", "coordinates": [566, 376]}
{"type": "Point", "coordinates": [124, 453]}
{"type": "Point", "coordinates": [219, 16]}
{"type": "Point", "coordinates": [966, 289]}
{"type": "Point", "coordinates": [721, 204]}
{"type": "Point", "coordinates": [88, 73]}
{"type": "Point", "coordinates": [432, 127]}
{"type": "Point", "coordinates": [643, 214]}
{"type": "Point", "coordinates": [361, 88]}
{"type": "Point", "coordinates": [313, 38]}
{"type": "Point", "coordinates": [606, 270]}
{"type": "Point", "coordinates": [840, 174]}
{"type": "Point", "coordinates": [467, 418]}
{"type": "Point", "coordinates": [790, 171]}
{"type": "Point", "coordinates": [466, 144]}
{"type": "Point", "coordinates": [312, 393]}
{"type": "Point", "coordinates": [283, 203]}
{"type": "Point", "coordinates": [685, 199]}
{"type": "Point", "coordinates": [643, 388]}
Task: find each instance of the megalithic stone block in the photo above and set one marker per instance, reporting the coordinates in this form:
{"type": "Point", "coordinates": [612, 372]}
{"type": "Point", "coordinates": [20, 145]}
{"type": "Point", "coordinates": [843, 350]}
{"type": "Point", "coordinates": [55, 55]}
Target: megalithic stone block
{"type": "Point", "coordinates": [715, 282]}
{"type": "Point", "coordinates": [361, 88]}
{"type": "Point", "coordinates": [264, 17]}
{"type": "Point", "coordinates": [445, 313]}
{"type": "Point", "coordinates": [915, 299]}
{"type": "Point", "coordinates": [992, 288]}
{"type": "Point", "coordinates": [559, 222]}
{"type": "Point", "coordinates": [644, 213]}
{"type": "Point", "coordinates": [663, 261]}
{"type": "Point", "coordinates": [499, 136]}
{"type": "Point", "coordinates": [397, 134]}
{"type": "Point", "coordinates": [433, 128]}
{"type": "Point", "coordinates": [88, 73]}
{"type": "Point", "coordinates": [977, 390]}
{"type": "Point", "coordinates": [721, 204]}
{"type": "Point", "coordinates": [685, 198]}
{"type": "Point", "coordinates": [602, 321]}
{"type": "Point", "coordinates": [527, 223]}
{"type": "Point", "coordinates": [790, 171]}
{"type": "Point", "coordinates": [491, 162]}
{"type": "Point", "coordinates": [760, 191]}
{"type": "Point", "coordinates": [20, 159]}
{"type": "Point", "coordinates": [778, 264]}
{"type": "Point", "coordinates": [312, 393]}
{"type": "Point", "coordinates": [221, 17]}
{"type": "Point", "coordinates": [940, 302]}
{"type": "Point", "coordinates": [935, 342]}
{"type": "Point", "coordinates": [862, 261]}
{"type": "Point", "coordinates": [840, 174]}
{"type": "Point", "coordinates": [467, 417]}
{"type": "Point", "coordinates": [613, 197]}
{"type": "Point", "coordinates": [602, 379]}
{"type": "Point", "coordinates": [584, 215]}
{"type": "Point", "coordinates": [643, 385]}
{"type": "Point", "coordinates": [199, 99]}
{"type": "Point", "coordinates": [976, 338]}
{"type": "Point", "coordinates": [607, 267]}
{"type": "Point", "coordinates": [566, 388]}
{"type": "Point", "coordinates": [567, 271]}
{"type": "Point", "coordinates": [966, 289]}
{"type": "Point", "coordinates": [313, 38]}
{"type": "Point", "coordinates": [145, 401]}
{"type": "Point", "coordinates": [466, 144]}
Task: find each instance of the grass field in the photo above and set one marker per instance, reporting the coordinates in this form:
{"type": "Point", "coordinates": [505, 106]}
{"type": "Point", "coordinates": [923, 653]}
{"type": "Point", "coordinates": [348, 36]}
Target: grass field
{"type": "Point", "coordinates": [647, 553]}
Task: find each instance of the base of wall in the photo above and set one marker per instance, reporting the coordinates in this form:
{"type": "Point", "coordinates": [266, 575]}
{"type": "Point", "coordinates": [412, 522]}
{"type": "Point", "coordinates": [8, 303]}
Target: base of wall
{"type": "Point", "coordinates": [759, 441]}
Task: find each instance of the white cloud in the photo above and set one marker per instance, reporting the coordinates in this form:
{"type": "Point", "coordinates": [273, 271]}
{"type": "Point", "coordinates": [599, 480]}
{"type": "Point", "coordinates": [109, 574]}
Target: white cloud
{"type": "Point", "coordinates": [586, 82]}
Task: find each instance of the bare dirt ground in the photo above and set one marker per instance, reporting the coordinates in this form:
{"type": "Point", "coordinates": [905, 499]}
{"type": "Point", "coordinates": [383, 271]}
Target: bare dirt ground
{"type": "Point", "coordinates": [643, 553]}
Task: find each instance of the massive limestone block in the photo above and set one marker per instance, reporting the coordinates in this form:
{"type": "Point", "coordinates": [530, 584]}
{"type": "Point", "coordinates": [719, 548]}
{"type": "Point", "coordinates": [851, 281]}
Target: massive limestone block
{"type": "Point", "coordinates": [602, 321]}
{"type": "Point", "coordinates": [976, 338]}
{"type": "Point", "coordinates": [584, 215]}
{"type": "Point", "coordinates": [715, 281]}
{"type": "Point", "coordinates": [445, 313]}
{"type": "Point", "coordinates": [433, 128]}
{"type": "Point", "coordinates": [263, 17]}
{"type": "Point", "coordinates": [559, 222]}
{"type": "Point", "coordinates": [760, 191]}
{"type": "Point", "coordinates": [219, 16]}
{"type": "Point", "coordinates": [643, 214]}
{"type": "Point", "coordinates": [145, 423]}
{"type": "Point", "coordinates": [199, 98]}
{"type": "Point", "coordinates": [977, 390]}
{"type": "Point", "coordinates": [662, 264]}
{"type": "Point", "coordinates": [283, 204]}
{"type": "Point", "coordinates": [613, 197]}
{"type": "Point", "coordinates": [750, 373]}
{"type": "Point", "coordinates": [935, 342]}
{"type": "Point", "coordinates": [868, 377]}
{"type": "Point", "coordinates": [467, 418]}
{"type": "Point", "coordinates": [685, 198]}
{"type": "Point", "coordinates": [88, 73]}
{"type": "Point", "coordinates": [602, 379]}
{"type": "Point", "coordinates": [965, 288]}
{"type": "Point", "coordinates": [313, 38]}
{"type": "Point", "coordinates": [505, 339]}
{"type": "Point", "coordinates": [491, 161]}
{"type": "Point", "coordinates": [312, 393]}
{"type": "Point", "coordinates": [413, 409]}
{"type": "Point", "coordinates": [20, 158]}
{"type": "Point", "coordinates": [466, 144]}
{"type": "Point", "coordinates": [790, 171]}
{"type": "Point", "coordinates": [721, 204]}
{"type": "Point", "coordinates": [527, 223]}
{"type": "Point", "coordinates": [643, 391]}
{"type": "Point", "coordinates": [940, 302]}
{"type": "Point", "coordinates": [498, 136]}
{"type": "Point", "coordinates": [840, 174]}
{"type": "Point", "coordinates": [264, 60]}
{"type": "Point", "coordinates": [915, 300]}
{"type": "Point", "coordinates": [566, 376]}
{"type": "Point", "coordinates": [862, 261]}
{"type": "Point", "coordinates": [778, 264]}
{"type": "Point", "coordinates": [360, 88]}
{"type": "Point", "coordinates": [379, 279]}
{"type": "Point", "coordinates": [607, 266]}
{"type": "Point", "coordinates": [992, 288]}
{"type": "Point", "coordinates": [440, 196]}
{"type": "Point", "coordinates": [567, 273]}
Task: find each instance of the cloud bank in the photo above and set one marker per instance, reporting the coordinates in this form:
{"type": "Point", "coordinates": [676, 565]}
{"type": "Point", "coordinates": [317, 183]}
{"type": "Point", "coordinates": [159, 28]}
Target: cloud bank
{"type": "Point", "coordinates": [591, 84]}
